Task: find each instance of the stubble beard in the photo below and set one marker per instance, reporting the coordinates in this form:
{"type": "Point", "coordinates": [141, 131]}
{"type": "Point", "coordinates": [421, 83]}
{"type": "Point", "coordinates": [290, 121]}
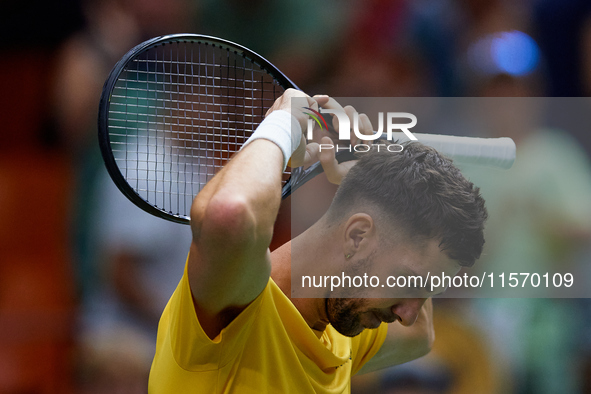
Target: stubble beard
{"type": "Point", "coordinates": [344, 315]}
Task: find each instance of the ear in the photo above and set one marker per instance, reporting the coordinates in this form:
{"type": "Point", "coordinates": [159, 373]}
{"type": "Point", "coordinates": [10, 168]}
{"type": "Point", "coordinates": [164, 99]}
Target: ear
{"type": "Point", "coordinates": [359, 235]}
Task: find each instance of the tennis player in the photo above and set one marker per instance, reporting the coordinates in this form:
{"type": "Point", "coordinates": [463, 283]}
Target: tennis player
{"type": "Point", "coordinates": [231, 325]}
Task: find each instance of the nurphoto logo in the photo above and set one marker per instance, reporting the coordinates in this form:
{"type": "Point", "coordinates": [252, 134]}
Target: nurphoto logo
{"type": "Point", "coordinates": [345, 128]}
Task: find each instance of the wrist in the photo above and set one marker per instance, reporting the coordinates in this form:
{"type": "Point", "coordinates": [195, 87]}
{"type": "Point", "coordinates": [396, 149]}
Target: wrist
{"type": "Point", "coordinates": [281, 128]}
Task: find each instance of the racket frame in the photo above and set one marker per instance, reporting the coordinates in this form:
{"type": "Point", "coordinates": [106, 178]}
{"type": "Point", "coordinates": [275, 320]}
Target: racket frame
{"type": "Point", "coordinates": [105, 101]}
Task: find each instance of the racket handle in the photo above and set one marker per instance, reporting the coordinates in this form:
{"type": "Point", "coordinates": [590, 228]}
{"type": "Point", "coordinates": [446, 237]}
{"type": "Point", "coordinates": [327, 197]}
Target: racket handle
{"type": "Point", "coordinates": [491, 152]}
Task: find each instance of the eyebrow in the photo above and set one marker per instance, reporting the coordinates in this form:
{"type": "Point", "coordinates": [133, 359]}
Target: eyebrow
{"type": "Point", "coordinates": [410, 271]}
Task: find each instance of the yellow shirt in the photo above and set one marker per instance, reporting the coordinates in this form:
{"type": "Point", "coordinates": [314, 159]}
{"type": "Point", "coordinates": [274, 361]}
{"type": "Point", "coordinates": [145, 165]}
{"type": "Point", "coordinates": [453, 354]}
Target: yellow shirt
{"type": "Point", "coordinates": [268, 348]}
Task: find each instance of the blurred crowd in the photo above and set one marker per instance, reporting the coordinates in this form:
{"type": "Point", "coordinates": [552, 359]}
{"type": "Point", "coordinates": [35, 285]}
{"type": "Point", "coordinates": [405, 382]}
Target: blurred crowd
{"type": "Point", "coordinates": [84, 274]}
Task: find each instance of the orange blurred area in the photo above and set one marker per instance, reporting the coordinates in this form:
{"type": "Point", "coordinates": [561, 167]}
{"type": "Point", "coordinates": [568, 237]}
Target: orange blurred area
{"type": "Point", "coordinates": [37, 299]}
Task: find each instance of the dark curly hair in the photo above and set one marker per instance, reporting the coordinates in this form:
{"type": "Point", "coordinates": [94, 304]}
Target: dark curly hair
{"type": "Point", "coordinates": [421, 191]}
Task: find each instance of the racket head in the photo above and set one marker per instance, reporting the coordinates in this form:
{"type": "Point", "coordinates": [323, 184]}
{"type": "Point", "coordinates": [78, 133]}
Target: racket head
{"type": "Point", "coordinates": [174, 110]}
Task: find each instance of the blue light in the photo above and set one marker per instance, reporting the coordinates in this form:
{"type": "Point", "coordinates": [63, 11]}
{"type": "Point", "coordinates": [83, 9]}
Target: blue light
{"type": "Point", "coordinates": [514, 53]}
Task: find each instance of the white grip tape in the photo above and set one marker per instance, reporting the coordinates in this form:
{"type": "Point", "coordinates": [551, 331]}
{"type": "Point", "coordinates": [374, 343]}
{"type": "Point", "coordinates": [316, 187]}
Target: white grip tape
{"type": "Point", "coordinates": [494, 152]}
{"type": "Point", "coordinates": [281, 128]}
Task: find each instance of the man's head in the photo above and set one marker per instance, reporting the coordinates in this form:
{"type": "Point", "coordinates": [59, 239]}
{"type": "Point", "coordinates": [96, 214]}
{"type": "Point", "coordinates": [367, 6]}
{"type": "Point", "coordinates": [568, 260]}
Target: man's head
{"type": "Point", "coordinates": [406, 213]}
{"type": "Point", "coordinates": [420, 194]}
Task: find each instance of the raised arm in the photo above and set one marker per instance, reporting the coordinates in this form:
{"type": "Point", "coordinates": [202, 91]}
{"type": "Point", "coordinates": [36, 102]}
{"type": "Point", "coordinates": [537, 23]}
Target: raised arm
{"type": "Point", "coordinates": [232, 224]}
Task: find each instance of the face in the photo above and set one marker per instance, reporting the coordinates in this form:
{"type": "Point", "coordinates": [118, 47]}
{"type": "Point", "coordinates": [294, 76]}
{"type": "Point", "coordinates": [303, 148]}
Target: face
{"type": "Point", "coordinates": [350, 316]}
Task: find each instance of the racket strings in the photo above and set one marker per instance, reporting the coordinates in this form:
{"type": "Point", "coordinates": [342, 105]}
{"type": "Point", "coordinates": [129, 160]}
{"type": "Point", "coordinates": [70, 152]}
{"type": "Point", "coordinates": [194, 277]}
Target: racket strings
{"type": "Point", "coordinates": [178, 113]}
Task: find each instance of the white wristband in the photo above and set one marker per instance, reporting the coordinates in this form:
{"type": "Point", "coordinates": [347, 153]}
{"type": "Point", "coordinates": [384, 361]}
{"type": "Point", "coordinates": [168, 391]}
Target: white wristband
{"type": "Point", "coordinates": [281, 128]}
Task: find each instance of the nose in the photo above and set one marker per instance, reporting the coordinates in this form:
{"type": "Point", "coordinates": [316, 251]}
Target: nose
{"type": "Point", "coordinates": [408, 310]}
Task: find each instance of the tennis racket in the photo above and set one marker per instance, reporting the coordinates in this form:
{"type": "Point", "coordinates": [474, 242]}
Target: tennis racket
{"type": "Point", "coordinates": [176, 108]}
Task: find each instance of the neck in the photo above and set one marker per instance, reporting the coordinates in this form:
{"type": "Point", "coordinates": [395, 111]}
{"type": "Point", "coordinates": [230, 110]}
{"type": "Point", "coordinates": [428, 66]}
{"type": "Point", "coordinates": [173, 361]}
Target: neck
{"type": "Point", "coordinates": [307, 253]}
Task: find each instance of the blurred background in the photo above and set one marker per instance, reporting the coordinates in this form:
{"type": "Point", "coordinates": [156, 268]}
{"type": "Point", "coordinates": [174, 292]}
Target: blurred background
{"type": "Point", "coordinates": [84, 274]}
